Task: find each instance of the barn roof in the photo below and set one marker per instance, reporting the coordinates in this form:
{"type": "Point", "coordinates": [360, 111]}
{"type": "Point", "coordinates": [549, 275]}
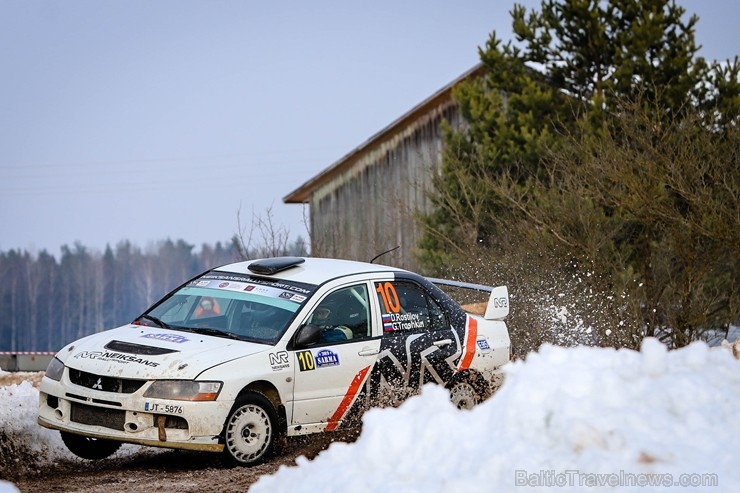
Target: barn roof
{"type": "Point", "coordinates": [302, 194]}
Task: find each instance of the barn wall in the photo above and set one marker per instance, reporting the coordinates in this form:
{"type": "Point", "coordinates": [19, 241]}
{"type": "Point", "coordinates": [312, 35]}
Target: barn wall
{"type": "Point", "coordinates": [368, 208]}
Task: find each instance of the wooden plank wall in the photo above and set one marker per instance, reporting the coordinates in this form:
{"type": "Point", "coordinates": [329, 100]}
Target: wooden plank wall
{"type": "Point", "coordinates": [369, 207]}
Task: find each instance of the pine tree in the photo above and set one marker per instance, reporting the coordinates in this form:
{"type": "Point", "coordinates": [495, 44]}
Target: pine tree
{"type": "Point", "coordinates": [531, 168]}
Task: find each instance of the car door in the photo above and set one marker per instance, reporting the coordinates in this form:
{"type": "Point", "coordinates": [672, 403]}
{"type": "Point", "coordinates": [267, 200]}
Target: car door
{"type": "Point", "coordinates": [418, 344]}
{"type": "Point", "coordinates": [330, 373]}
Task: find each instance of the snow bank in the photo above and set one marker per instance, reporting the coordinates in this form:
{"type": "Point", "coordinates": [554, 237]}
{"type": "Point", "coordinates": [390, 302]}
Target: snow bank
{"type": "Point", "coordinates": [577, 419]}
{"type": "Point", "coordinates": [566, 419]}
{"type": "Point", "coordinates": [24, 444]}
{"type": "Point", "coordinates": [31, 444]}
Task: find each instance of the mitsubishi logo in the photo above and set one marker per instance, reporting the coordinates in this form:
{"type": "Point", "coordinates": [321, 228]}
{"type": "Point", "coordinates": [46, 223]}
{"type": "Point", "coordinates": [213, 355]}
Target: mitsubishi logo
{"type": "Point", "coordinates": [99, 384]}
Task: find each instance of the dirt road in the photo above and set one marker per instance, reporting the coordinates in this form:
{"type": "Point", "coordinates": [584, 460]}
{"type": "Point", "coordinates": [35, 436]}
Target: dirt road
{"type": "Point", "coordinates": [162, 471]}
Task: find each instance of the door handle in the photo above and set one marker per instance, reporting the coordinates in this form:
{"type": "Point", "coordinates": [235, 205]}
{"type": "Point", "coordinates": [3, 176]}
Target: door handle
{"type": "Point", "coordinates": [443, 342]}
{"type": "Point", "coordinates": [368, 352]}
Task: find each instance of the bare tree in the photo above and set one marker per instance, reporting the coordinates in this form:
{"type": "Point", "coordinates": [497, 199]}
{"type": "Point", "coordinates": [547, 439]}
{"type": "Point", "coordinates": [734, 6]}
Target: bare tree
{"type": "Point", "coordinates": [34, 282]}
{"type": "Point", "coordinates": [263, 237]}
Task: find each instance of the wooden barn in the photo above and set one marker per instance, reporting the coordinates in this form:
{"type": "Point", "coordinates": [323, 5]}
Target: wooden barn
{"type": "Point", "coordinates": [364, 203]}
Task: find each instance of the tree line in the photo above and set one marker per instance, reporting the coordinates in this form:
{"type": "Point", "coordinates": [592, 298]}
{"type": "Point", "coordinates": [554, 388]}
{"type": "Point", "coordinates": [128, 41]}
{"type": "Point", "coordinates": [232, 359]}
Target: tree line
{"type": "Point", "coordinates": [47, 302]}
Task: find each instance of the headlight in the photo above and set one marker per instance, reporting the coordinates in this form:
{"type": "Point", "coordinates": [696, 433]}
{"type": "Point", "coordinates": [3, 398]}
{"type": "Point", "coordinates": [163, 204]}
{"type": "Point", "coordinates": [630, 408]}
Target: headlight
{"type": "Point", "coordinates": [55, 369]}
{"type": "Point", "coordinates": [184, 390]}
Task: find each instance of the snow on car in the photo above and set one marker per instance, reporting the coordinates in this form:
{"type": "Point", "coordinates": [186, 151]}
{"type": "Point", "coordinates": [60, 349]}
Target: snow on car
{"type": "Point", "coordinates": [280, 346]}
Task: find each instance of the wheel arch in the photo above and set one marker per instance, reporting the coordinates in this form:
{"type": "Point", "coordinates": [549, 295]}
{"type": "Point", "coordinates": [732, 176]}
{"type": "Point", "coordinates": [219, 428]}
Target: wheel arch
{"type": "Point", "coordinates": [272, 394]}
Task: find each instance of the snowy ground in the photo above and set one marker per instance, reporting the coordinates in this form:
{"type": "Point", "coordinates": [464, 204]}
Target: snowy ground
{"type": "Point", "coordinates": [577, 419]}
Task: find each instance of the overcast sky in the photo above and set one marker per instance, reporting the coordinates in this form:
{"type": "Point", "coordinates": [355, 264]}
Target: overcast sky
{"type": "Point", "coordinates": [146, 120]}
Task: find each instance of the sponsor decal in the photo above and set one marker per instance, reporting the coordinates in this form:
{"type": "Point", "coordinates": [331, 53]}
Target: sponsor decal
{"type": "Point", "coordinates": [279, 360]}
{"type": "Point", "coordinates": [295, 292]}
{"type": "Point", "coordinates": [327, 357]}
{"type": "Point", "coordinates": [234, 286]}
{"type": "Point", "coordinates": [307, 361]}
{"type": "Point", "coordinates": [167, 337]}
{"type": "Point", "coordinates": [115, 357]}
{"type": "Point", "coordinates": [290, 287]}
{"type": "Point", "coordinates": [257, 289]}
{"type": "Point", "coordinates": [483, 344]}
{"type": "Point", "coordinates": [305, 289]}
{"type": "Point", "coordinates": [387, 322]}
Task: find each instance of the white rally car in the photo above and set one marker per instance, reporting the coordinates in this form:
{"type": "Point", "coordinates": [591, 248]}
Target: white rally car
{"type": "Point", "coordinates": [255, 349]}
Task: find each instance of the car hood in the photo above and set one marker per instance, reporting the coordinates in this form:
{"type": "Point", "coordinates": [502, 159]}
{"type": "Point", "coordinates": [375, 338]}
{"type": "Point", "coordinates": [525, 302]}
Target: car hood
{"type": "Point", "coordinates": [147, 353]}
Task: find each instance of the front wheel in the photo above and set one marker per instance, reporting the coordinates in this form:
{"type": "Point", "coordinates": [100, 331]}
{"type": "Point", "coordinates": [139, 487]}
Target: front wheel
{"type": "Point", "coordinates": [250, 430]}
{"type": "Point", "coordinates": [88, 447]}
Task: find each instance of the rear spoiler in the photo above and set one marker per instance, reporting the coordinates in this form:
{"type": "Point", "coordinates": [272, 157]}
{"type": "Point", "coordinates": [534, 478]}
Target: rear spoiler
{"type": "Point", "coordinates": [497, 307]}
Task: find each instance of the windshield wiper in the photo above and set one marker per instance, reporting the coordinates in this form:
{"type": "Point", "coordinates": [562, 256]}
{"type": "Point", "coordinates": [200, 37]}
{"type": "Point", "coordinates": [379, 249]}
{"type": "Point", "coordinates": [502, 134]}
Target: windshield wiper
{"type": "Point", "coordinates": [214, 332]}
{"type": "Point", "coordinates": [156, 321]}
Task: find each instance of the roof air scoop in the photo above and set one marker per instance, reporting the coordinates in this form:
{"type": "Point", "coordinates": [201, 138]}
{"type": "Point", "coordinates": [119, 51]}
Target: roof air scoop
{"type": "Point", "coordinates": [270, 266]}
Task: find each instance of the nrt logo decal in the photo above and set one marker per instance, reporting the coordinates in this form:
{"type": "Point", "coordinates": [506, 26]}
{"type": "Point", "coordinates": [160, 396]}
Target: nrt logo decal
{"type": "Point", "coordinates": [500, 302]}
{"type": "Point", "coordinates": [279, 360]}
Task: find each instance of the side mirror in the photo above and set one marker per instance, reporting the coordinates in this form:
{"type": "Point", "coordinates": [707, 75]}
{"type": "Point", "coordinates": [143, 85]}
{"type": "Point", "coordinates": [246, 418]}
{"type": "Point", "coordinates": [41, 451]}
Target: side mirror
{"type": "Point", "coordinates": [307, 335]}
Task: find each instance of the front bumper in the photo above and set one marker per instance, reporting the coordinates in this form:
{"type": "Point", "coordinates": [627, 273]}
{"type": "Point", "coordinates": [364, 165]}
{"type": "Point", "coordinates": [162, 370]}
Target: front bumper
{"type": "Point", "coordinates": [131, 417]}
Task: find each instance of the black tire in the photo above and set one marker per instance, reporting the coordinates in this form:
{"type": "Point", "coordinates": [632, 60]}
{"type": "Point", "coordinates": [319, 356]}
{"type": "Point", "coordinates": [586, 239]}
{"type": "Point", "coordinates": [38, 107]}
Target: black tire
{"type": "Point", "coordinates": [88, 447]}
{"type": "Point", "coordinates": [250, 431]}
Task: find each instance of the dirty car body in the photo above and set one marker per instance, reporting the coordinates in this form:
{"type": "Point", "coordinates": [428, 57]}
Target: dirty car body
{"type": "Point", "coordinates": [284, 346]}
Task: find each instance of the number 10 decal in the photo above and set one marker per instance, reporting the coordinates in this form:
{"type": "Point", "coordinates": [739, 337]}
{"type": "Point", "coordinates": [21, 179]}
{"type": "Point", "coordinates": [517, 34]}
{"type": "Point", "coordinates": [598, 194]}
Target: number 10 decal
{"type": "Point", "coordinates": [390, 298]}
{"type": "Point", "coordinates": [305, 361]}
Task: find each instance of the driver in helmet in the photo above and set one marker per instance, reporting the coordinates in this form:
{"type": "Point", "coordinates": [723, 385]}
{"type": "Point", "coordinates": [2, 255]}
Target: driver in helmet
{"type": "Point", "coordinates": [325, 317]}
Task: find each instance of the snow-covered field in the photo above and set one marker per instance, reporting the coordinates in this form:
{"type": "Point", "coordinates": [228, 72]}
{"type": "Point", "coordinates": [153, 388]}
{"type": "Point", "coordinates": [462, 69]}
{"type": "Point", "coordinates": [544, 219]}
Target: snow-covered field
{"type": "Point", "coordinates": [566, 419]}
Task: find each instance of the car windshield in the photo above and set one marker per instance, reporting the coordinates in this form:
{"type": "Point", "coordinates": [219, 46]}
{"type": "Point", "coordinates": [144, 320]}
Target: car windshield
{"type": "Point", "coordinates": [229, 305]}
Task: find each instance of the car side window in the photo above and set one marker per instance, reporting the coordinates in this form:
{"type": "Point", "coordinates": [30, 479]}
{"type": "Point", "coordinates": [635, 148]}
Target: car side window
{"type": "Point", "coordinates": [407, 307]}
{"type": "Point", "coordinates": [343, 315]}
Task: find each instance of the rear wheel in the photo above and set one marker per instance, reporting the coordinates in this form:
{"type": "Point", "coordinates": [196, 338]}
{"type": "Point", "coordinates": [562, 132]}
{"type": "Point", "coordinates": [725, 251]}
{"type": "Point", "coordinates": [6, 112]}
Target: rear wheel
{"type": "Point", "coordinates": [250, 430]}
{"type": "Point", "coordinates": [88, 447]}
{"type": "Point", "coordinates": [464, 396]}
{"type": "Point", "coordinates": [468, 390]}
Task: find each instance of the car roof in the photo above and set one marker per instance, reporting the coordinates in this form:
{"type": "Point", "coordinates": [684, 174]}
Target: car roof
{"type": "Point", "coordinates": [310, 270]}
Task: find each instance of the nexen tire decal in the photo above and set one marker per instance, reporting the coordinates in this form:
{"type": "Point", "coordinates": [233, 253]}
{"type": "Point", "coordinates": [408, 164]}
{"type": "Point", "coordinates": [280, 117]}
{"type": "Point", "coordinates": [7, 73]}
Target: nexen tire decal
{"type": "Point", "coordinates": [357, 382]}
{"type": "Point", "coordinates": [469, 344]}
